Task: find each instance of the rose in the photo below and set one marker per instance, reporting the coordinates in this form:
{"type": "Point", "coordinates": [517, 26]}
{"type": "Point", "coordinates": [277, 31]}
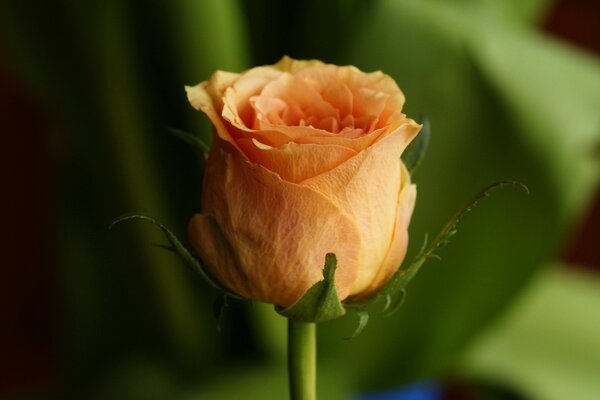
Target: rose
{"type": "Point", "coordinates": [305, 161]}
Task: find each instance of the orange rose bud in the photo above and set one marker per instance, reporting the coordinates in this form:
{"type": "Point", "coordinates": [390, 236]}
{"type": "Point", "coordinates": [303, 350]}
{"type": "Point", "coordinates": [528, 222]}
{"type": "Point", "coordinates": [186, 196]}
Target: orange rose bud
{"type": "Point", "coordinates": [305, 162]}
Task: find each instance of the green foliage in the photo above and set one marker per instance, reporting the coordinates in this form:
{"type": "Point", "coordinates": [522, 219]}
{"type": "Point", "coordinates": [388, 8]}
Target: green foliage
{"type": "Point", "coordinates": [546, 345]}
{"type": "Point", "coordinates": [320, 303]}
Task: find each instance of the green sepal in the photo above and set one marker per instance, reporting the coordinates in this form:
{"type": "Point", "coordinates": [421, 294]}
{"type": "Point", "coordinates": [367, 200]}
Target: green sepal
{"type": "Point", "coordinates": [363, 319]}
{"type": "Point", "coordinates": [175, 245]}
{"type": "Point", "coordinates": [320, 302]}
{"type": "Point", "coordinates": [220, 306]}
{"type": "Point", "coordinates": [393, 293]}
{"type": "Point", "coordinates": [192, 139]}
{"type": "Point", "coordinates": [415, 152]}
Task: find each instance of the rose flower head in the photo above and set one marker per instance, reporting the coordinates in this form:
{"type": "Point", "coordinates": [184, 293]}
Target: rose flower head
{"type": "Point", "coordinates": [305, 162]}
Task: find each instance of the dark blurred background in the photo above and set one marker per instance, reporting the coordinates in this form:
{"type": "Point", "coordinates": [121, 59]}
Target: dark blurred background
{"type": "Point", "coordinates": [88, 91]}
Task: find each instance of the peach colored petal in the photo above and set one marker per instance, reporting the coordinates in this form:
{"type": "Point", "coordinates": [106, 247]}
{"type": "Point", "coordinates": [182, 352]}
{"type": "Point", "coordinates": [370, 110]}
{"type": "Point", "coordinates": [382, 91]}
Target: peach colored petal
{"type": "Point", "coordinates": [294, 162]}
{"type": "Point", "coordinates": [281, 134]}
{"type": "Point", "coordinates": [289, 64]}
{"type": "Point", "coordinates": [328, 124]}
{"type": "Point", "coordinates": [200, 98]}
{"type": "Point", "coordinates": [271, 137]}
{"type": "Point", "coordinates": [236, 105]}
{"type": "Point", "coordinates": [301, 99]}
{"type": "Point", "coordinates": [368, 103]}
{"type": "Point", "coordinates": [246, 122]}
{"type": "Point", "coordinates": [386, 84]}
{"type": "Point", "coordinates": [330, 83]}
{"type": "Point", "coordinates": [355, 93]}
{"type": "Point", "coordinates": [278, 232]}
{"type": "Point", "coordinates": [219, 82]}
{"type": "Point", "coordinates": [352, 139]}
{"type": "Point", "coordinates": [395, 101]}
{"type": "Point", "coordinates": [389, 115]}
{"type": "Point", "coordinates": [366, 187]}
{"type": "Point", "coordinates": [327, 75]}
{"type": "Point", "coordinates": [269, 109]}
{"type": "Point", "coordinates": [399, 244]}
{"type": "Point", "coordinates": [351, 91]}
{"type": "Point", "coordinates": [212, 247]}
{"type": "Point", "coordinates": [350, 133]}
{"type": "Point", "coordinates": [299, 132]}
{"type": "Point", "coordinates": [340, 97]}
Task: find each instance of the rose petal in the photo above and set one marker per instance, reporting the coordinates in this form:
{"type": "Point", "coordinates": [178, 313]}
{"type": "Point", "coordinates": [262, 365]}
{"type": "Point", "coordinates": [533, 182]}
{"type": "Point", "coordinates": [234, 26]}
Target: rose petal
{"type": "Point", "coordinates": [368, 105]}
{"type": "Point", "coordinates": [291, 65]}
{"type": "Point", "coordinates": [328, 81]}
{"type": "Point", "coordinates": [300, 98]}
{"type": "Point", "coordinates": [353, 139]}
{"type": "Point", "coordinates": [203, 98]}
{"type": "Point", "coordinates": [340, 97]}
{"type": "Point", "coordinates": [294, 162]}
{"type": "Point", "coordinates": [352, 92]}
{"type": "Point", "coordinates": [399, 244]}
{"type": "Point", "coordinates": [271, 137]}
{"type": "Point", "coordinates": [236, 99]}
{"type": "Point", "coordinates": [212, 246]}
{"type": "Point", "coordinates": [378, 169]}
{"type": "Point", "coordinates": [296, 133]}
{"type": "Point", "coordinates": [278, 232]}
{"type": "Point", "coordinates": [267, 109]}
{"type": "Point", "coordinates": [386, 84]}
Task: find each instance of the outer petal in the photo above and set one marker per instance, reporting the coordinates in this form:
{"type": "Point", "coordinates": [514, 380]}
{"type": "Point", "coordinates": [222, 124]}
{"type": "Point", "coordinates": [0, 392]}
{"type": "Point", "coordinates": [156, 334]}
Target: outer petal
{"type": "Point", "coordinates": [357, 144]}
{"type": "Point", "coordinates": [366, 187]}
{"type": "Point", "coordinates": [289, 64]}
{"type": "Point", "coordinates": [294, 162]}
{"type": "Point", "coordinates": [213, 248]}
{"type": "Point", "coordinates": [394, 103]}
{"type": "Point", "coordinates": [399, 244]}
{"type": "Point", "coordinates": [303, 133]}
{"type": "Point", "coordinates": [277, 232]}
{"type": "Point", "coordinates": [206, 97]}
{"type": "Point", "coordinates": [386, 84]}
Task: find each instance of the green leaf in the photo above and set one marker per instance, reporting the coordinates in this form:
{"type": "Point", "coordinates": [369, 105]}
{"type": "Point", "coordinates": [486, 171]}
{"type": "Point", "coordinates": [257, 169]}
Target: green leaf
{"type": "Point", "coordinates": [415, 152]}
{"type": "Point", "coordinates": [189, 260]}
{"type": "Point", "coordinates": [192, 139]}
{"type": "Point", "coordinates": [546, 345]}
{"type": "Point", "coordinates": [320, 303]}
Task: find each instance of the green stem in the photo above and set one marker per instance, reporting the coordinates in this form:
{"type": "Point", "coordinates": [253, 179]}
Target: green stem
{"type": "Point", "coordinates": [302, 360]}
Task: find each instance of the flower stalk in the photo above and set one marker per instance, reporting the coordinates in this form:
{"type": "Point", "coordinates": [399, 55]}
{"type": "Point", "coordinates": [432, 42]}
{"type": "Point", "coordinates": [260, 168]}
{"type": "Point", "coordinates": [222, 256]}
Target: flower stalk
{"type": "Point", "coordinates": [302, 360]}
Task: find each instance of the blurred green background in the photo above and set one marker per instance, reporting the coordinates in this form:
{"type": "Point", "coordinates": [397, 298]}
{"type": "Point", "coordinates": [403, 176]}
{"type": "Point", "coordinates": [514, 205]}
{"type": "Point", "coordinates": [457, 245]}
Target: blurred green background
{"type": "Point", "coordinates": [88, 92]}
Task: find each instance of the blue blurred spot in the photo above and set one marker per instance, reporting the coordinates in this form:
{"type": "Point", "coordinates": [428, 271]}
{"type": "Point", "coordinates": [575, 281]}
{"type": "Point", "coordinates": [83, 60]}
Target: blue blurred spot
{"type": "Point", "coordinates": [419, 391]}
